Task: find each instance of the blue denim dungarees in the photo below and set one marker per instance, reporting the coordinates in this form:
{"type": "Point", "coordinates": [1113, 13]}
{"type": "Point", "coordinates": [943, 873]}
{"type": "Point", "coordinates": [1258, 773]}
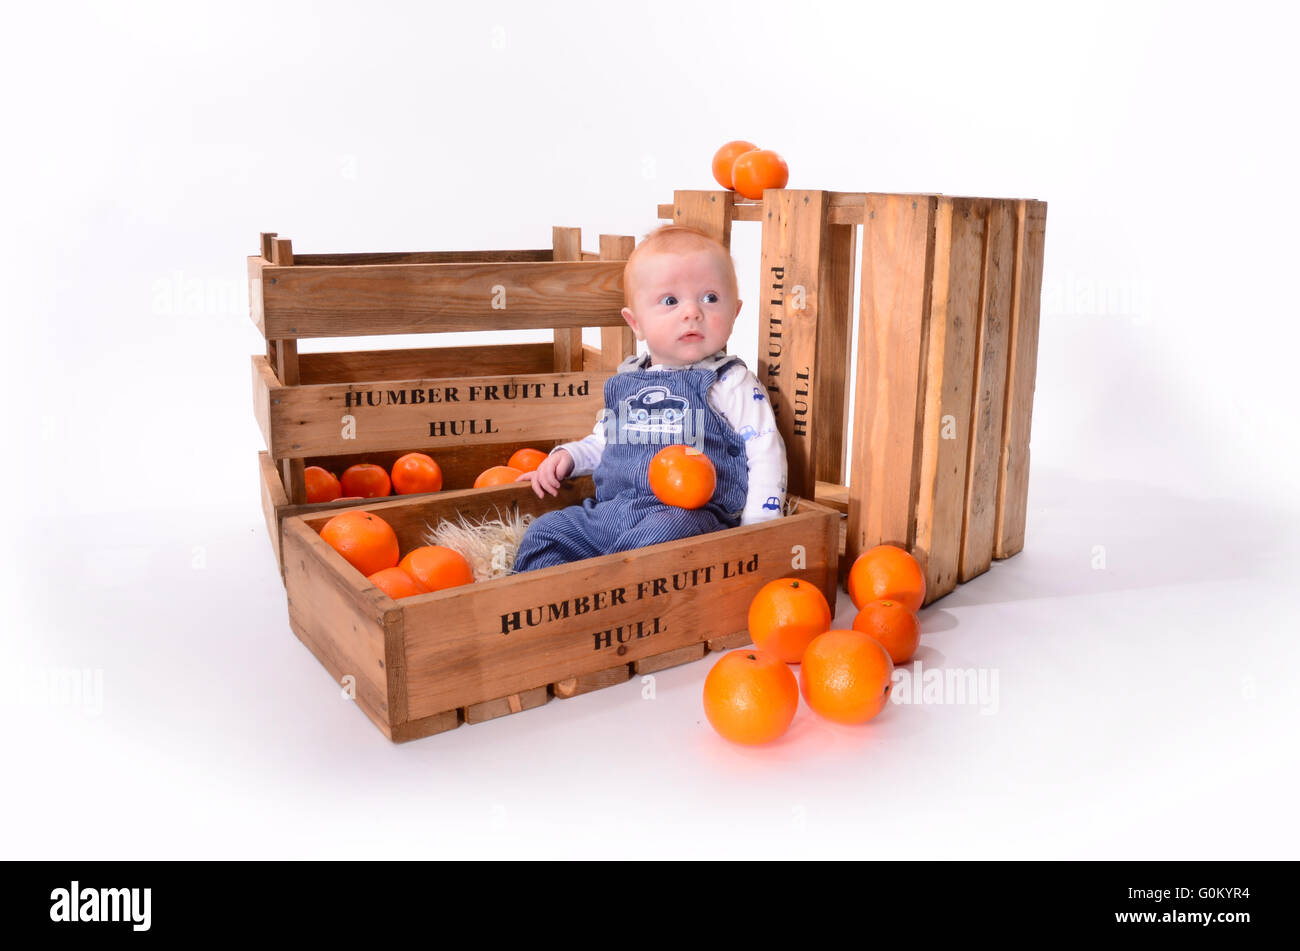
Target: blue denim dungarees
{"type": "Point", "coordinates": [657, 408]}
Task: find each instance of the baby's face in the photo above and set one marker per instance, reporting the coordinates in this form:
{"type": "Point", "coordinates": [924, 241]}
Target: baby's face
{"type": "Point", "coordinates": [682, 306]}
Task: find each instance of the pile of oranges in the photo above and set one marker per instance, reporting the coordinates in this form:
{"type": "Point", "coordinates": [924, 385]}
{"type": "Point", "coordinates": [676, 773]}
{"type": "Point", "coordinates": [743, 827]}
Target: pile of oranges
{"type": "Point", "coordinates": [413, 473]}
{"type": "Point", "coordinates": [751, 695]}
{"type": "Point", "coordinates": [369, 544]}
{"type": "Point", "coordinates": [747, 169]}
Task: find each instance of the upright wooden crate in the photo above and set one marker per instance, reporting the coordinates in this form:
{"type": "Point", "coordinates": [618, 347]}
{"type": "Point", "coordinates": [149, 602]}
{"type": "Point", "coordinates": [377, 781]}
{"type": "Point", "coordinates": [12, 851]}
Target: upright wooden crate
{"type": "Point", "coordinates": [471, 407]}
{"type": "Point", "coordinates": [429, 663]}
{"type": "Point", "coordinates": [946, 356]}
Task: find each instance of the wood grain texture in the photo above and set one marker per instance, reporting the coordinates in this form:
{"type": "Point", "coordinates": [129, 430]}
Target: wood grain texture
{"type": "Point", "coordinates": [566, 244]}
{"type": "Point", "coordinates": [340, 617]}
{"type": "Point", "coordinates": [1013, 481]}
{"type": "Point", "coordinates": [706, 211]}
{"type": "Point", "coordinates": [893, 314]}
{"type": "Point", "coordinates": [256, 312]}
{"type": "Point", "coordinates": [949, 388]}
{"type": "Point", "coordinates": [989, 390]}
{"type": "Point", "coordinates": [264, 382]}
{"type": "Point", "coordinates": [616, 343]}
{"type": "Point", "coordinates": [671, 594]}
{"type": "Point", "coordinates": [728, 642]}
{"type": "Point", "coordinates": [444, 413]}
{"type": "Point", "coordinates": [274, 500]}
{"type": "Point", "coordinates": [504, 706]}
{"type": "Point", "coordinates": [423, 257]}
{"type": "Point", "coordinates": [672, 658]}
{"type": "Point", "coordinates": [366, 300]}
{"type": "Point", "coordinates": [834, 354]}
{"type": "Point", "coordinates": [362, 366]}
{"type": "Point", "coordinates": [579, 684]}
{"type": "Point", "coordinates": [795, 276]}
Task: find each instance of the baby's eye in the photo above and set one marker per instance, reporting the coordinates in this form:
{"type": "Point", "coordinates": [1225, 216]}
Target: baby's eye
{"type": "Point", "coordinates": [670, 300]}
{"type": "Point", "coordinates": [711, 295]}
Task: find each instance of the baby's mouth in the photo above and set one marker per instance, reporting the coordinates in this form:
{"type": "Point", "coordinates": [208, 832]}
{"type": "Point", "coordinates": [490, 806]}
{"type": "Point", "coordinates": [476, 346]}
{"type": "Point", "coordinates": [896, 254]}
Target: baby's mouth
{"type": "Point", "coordinates": [692, 335]}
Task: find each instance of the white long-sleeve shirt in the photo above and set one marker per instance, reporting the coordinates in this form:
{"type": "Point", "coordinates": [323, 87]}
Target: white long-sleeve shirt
{"type": "Point", "coordinates": [741, 401]}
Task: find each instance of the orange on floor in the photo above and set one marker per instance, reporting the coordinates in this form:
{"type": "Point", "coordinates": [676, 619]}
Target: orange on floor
{"type": "Point", "coordinates": [845, 676]}
{"type": "Point", "coordinates": [886, 571]}
{"type": "Point", "coordinates": [891, 623]}
{"type": "Point", "coordinates": [785, 615]}
{"type": "Point", "coordinates": [750, 696]}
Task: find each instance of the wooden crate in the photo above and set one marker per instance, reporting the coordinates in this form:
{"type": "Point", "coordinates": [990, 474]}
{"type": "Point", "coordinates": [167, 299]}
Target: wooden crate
{"type": "Point", "coordinates": [426, 664]}
{"type": "Point", "coordinates": [946, 356]}
{"type": "Point", "coordinates": [469, 407]}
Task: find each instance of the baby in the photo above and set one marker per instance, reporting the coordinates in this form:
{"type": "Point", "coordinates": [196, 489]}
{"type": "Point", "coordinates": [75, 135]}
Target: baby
{"type": "Point", "coordinates": [680, 286]}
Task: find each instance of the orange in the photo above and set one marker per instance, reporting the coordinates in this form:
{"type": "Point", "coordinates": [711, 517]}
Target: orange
{"type": "Point", "coordinates": [396, 583]}
{"type": "Point", "coordinates": [891, 623]}
{"type": "Point", "coordinates": [497, 475]}
{"type": "Point", "coordinates": [365, 540]}
{"type": "Point", "coordinates": [845, 676]}
{"type": "Point", "coordinates": [366, 480]}
{"type": "Point", "coordinates": [786, 615]}
{"type": "Point", "coordinates": [437, 567]}
{"type": "Point", "coordinates": [886, 571]}
{"type": "Point", "coordinates": [757, 170]}
{"type": "Point", "coordinates": [682, 476]}
{"type": "Point", "coordinates": [527, 460]}
{"type": "Point", "coordinates": [725, 158]}
{"type": "Point", "coordinates": [416, 472]}
{"type": "Point", "coordinates": [322, 486]}
{"type": "Point", "coordinates": [750, 696]}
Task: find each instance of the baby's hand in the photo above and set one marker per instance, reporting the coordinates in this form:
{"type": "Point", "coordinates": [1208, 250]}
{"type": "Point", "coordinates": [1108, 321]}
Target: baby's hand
{"type": "Point", "coordinates": [547, 476]}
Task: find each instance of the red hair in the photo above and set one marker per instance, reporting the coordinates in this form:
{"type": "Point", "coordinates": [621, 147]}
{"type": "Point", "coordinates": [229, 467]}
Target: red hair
{"type": "Point", "coordinates": [677, 239]}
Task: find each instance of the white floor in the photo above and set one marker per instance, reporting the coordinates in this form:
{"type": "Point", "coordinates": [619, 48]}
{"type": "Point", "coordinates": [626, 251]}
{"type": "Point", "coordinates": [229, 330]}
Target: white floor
{"type": "Point", "coordinates": [1145, 708]}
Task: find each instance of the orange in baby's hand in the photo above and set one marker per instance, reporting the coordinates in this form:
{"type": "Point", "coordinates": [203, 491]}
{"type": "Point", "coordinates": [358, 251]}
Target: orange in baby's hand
{"type": "Point", "coordinates": [366, 541]}
{"type": "Point", "coordinates": [366, 480]}
{"type": "Point", "coordinates": [497, 475]}
{"type": "Point", "coordinates": [846, 676]}
{"type": "Point", "coordinates": [891, 623]}
{"type": "Point", "coordinates": [725, 158]}
{"type": "Point", "coordinates": [786, 615]}
{"type": "Point", "coordinates": [886, 571]}
{"type": "Point", "coordinates": [527, 460]}
{"type": "Point", "coordinates": [396, 583]}
{"type": "Point", "coordinates": [416, 472]}
{"type": "Point", "coordinates": [437, 567]}
{"type": "Point", "coordinates": [682, 476]}
{"type": "Point", "coordinates": [322, 485]}
{"type": "Point", "coordinates": [750, 696]}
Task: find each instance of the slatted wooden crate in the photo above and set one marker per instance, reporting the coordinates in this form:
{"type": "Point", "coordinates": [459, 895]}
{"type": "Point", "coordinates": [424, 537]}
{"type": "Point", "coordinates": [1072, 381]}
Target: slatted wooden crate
{"type": "Point", "coordinates": [426, 664]}
{"type": "Point", "coordinates": [946, 355]}
{"type": "Point", "coordinates": [469, 407]}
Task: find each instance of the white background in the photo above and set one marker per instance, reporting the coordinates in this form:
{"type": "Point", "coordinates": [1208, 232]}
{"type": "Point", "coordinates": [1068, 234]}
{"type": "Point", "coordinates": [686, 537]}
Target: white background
{"type": "Point", "coordinates": [1146, 708]}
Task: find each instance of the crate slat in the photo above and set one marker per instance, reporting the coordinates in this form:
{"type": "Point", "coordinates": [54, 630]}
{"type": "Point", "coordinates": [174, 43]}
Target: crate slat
{"type": "Point", "coordinates": [451, 412]}
{"type": "Point", "coordinates": [795, 238]}
{"type": "Point", "coordinates": [567, 246]}
{"type": "Point", "coordinates": [706, 211]}
{"type": "Point", "coordinates": [897, 260]}
{"type": "Point", "coordinates": [989, 391]}
{"type": "Point", "coordinates": [423, 257]}
{"type": "Point", "coordinates": [949, 389]}
{"type": "Point", "coordinates": [364, 366]}
{"type": "Point", "coordinates": [369, 300]}
{"type": "Point", "coordinates": [616, 343]}
{"type": "Point", "coordinates": [1013, 480]}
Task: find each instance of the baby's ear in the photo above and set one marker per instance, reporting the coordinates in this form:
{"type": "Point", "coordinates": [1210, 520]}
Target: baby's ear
{"type": "Point", "coordinates": [631, 322]}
